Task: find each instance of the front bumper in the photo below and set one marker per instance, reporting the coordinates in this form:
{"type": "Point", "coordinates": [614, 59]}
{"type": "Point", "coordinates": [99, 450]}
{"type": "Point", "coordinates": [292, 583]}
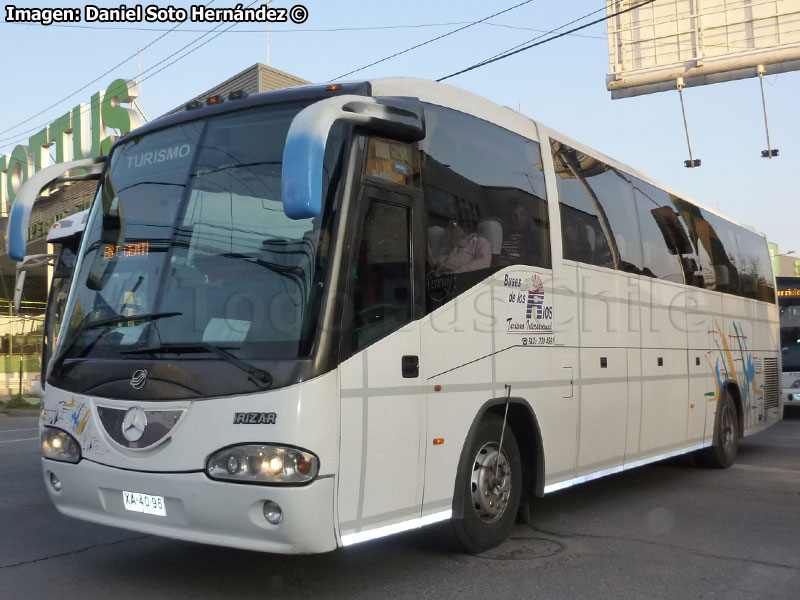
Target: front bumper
{"type": "Point", "coordinates": [791, 397]}
{"type": "Point", "coordinates": [198, 508]}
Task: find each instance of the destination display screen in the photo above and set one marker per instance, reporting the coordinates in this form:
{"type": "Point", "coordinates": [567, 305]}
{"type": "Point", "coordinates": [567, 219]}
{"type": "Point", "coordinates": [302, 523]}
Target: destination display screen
{"type": "Point", "coordinates": [126, 250]}
{"type": "Point", "coordinates": [791, 292]}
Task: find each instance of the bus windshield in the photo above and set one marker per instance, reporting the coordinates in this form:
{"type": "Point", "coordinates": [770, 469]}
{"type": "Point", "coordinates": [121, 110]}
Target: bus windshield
{"type": "Point", "coordinates": [790, 334]}
{"type": "Point", "coordinates": [187, 245]}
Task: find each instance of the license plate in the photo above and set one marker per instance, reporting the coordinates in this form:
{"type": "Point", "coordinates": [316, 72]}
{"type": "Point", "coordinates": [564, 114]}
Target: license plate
{"type": "Point", "coordinates": [144, 503]}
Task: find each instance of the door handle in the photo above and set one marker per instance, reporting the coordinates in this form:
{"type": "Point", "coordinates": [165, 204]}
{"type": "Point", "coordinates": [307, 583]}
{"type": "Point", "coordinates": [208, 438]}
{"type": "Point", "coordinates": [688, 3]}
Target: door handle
{"type": "Point", "coordinates": [571, 383]}
{"type": "Point", "coordinates": [410, 365]}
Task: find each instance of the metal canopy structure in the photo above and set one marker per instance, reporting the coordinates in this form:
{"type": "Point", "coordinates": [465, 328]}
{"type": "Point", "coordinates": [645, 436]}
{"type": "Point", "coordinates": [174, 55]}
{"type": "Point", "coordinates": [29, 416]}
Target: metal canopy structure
{"type": "Point", "coordinates": [700, 41]}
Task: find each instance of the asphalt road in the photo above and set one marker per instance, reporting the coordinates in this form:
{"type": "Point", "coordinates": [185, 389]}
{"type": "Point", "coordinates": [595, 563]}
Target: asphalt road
{"type": "Point", "coordinates": [663, 531]}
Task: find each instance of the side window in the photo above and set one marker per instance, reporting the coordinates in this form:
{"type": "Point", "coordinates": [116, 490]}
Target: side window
{"type": "Point", "coordinates": [730, 258]}
{"type": "Point", "coordinates": [382, 298]}
{"type": "Point", "coordinates": [757, 278]}
{"type": "Point", "coordinates": [725, 254]}
{"type": "Point", "coordinates": [700, 267]}
{"type": "Point", "coordinates": [598, 212]}
{"type": "Point", "coordinates": [766, 277]}
{"type": "Point", "coordinates": [485, 200]}
{"type": "Point", "coordinates": [666, 249]}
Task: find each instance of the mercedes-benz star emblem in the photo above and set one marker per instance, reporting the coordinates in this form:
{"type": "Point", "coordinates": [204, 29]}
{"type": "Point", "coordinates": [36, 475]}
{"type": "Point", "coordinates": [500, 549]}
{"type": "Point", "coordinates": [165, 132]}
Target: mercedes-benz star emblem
{"type": "Point", "coordinates": [138, 379]}
{"type": "Point", "coordinates": [134, 424]}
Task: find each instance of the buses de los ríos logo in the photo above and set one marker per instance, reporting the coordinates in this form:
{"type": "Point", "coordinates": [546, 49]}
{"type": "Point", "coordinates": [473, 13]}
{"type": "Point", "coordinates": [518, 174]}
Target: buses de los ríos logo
{"type": "Point", "coordinates": [527, 301]}
{"type": "Point", "coordinates": [535, 298]}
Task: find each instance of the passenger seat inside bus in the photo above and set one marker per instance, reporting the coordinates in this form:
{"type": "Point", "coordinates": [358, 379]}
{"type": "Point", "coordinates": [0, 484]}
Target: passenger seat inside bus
{"type": "Point", "coordinates": [492, 230]}
{"type": "Point", "coordinates": [438, 243]}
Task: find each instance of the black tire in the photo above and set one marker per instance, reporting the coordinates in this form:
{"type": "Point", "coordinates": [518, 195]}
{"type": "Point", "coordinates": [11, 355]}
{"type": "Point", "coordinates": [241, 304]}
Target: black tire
{"type": "Point", "coordinates": [478, 529]}
{"type": "Point", "coordinates": [722, 454]}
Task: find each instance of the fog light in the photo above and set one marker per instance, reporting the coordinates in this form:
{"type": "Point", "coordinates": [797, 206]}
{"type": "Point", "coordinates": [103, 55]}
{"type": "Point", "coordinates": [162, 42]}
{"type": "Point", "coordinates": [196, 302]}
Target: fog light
{"type": "Point", "coordinates": [272, 512]}
{"type": "Point", "coordinates": [55, 482]}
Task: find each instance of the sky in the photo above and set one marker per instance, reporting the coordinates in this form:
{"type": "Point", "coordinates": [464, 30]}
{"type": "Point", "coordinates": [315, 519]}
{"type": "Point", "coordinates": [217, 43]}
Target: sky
{"type": "Point", "coordinates": [561, 84]}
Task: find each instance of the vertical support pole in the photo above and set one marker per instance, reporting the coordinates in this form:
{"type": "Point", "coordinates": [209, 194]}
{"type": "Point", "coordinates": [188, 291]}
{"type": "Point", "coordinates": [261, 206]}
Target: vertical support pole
{"type": "Point", "coordinates": [502, 432]}
{"type": "Point", "coordinates": [769, 152]}
{"type": "Point", "coordinates": [691, 163]}
{"type": "Point", "coordinates": [267, 34]}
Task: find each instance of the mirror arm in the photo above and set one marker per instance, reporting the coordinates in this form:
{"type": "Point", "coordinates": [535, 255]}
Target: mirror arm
{"type": "Point", "coordinates": [20, 213]}
{"type": "Point", "coordinates": [30, 262]}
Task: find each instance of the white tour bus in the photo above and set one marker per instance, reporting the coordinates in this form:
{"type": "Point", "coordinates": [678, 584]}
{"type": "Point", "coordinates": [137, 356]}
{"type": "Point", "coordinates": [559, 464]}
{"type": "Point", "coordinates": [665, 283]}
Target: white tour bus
{"type": "Point", "coordinates": [309, 318]}
{"type": "Point", "coordinates": [789, 302]}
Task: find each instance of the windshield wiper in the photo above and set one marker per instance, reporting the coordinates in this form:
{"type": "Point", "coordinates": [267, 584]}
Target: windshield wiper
{"type": "Point", "coordinates": [125, 318]}
{"type": "Point", "coordinates": [258, 376]}
{"type": "Point", "coordinates": [105, 323]}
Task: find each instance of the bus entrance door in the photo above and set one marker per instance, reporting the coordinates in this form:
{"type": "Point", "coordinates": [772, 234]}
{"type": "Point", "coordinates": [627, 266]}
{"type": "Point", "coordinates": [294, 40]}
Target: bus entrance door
{"type": "Point", "coordinates": [382, 417]}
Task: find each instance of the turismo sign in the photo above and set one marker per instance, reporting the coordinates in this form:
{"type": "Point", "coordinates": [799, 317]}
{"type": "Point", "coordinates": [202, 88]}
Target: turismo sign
{"type": "Point", "coordinates": [84, 132]}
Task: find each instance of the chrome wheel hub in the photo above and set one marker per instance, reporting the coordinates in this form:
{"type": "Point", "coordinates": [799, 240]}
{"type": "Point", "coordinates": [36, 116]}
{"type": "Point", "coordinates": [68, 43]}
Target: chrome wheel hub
{"type": "Point", "coordinates": [490, 482]}
{"type": "Point", "coordinates": [727, 428]}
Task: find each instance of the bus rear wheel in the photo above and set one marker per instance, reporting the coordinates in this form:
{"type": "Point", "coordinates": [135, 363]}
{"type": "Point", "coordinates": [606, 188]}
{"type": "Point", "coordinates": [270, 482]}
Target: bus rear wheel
{"type": "Point", "coordinates": [489, 484]}
{"type": "Point", "coordinates": [722, 454]}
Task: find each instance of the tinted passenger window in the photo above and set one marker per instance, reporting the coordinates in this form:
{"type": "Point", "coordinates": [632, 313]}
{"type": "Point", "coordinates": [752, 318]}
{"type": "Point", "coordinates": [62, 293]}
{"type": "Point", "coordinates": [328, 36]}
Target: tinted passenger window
{"type": "Point", "coordinates": [485, 201]}
{"type": "Point", "coordinates": [700, 268]}
{"type": "Point", "coordinates": [598, 213]}
{"type": "Point", "coordinates": [666, 248]}
{"type": "Point", "coordinates": [725, 254]}
{"type": "Point", "coordinates": [730, 258]}
{"type": "Point", "coordinates": [757, 277]}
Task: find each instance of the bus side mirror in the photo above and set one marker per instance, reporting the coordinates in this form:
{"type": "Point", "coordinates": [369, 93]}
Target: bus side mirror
{"type": "Point", "coordinates": [396, 118]}
{"type": "Point", "coordinates": [20, 215]}
{"type": "Point", "coordinates": [30, 262]}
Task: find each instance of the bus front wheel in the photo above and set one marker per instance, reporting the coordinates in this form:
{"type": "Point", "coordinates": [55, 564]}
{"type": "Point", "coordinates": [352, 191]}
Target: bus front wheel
{"type": "Point", "coordinates": [489, 483]}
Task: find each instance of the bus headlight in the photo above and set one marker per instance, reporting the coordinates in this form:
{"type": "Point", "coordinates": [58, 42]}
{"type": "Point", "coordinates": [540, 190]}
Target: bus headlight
{"type": "Point", "coordinates": [256, 463]}
{"type": "Point", "coordinates": [59, 445]}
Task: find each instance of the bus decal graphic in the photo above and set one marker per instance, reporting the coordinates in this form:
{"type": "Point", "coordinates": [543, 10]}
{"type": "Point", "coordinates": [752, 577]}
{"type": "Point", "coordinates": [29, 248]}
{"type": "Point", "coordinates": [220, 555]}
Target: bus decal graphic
{"type": "Point", "coordinates": [75, 417]}
{"type": "Point", "coordinates": [439, 286]}
{"type": "Point", "coordinates": [527, 294]}
{"type": "Point", "coordinates": [158, 156]}
{"type": "Point", "coordinates": [84, 420]}
{"type": "Point", "coordinates": [751, 393]}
